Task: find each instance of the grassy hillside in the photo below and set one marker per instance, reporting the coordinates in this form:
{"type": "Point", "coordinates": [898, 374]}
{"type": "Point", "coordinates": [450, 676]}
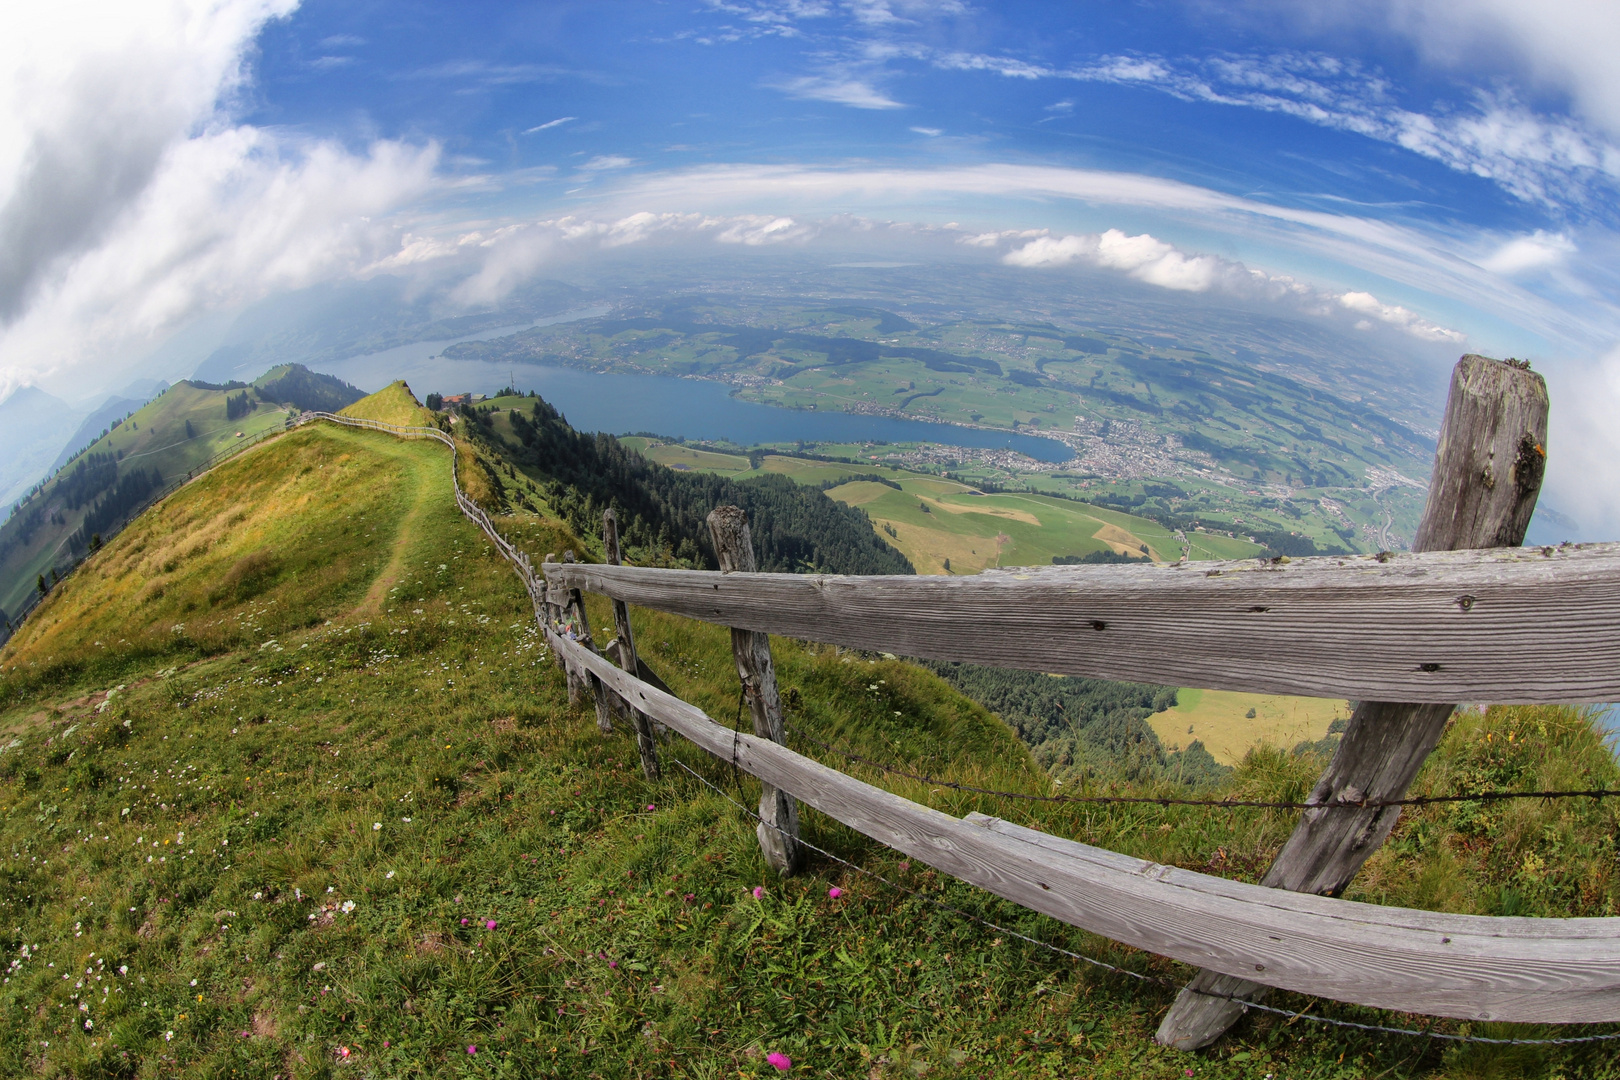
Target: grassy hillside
{"type": "Point", "coordinates": [344, 818]}
{"type": "Point", "coordinates": [160, 443]}
{"type": "Point", "coordinates": [172, 434]}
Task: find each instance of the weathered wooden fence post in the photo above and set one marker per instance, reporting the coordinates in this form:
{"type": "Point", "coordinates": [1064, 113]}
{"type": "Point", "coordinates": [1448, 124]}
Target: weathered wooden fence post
{"type": "Point", "coordinates": [552, 621]}
{"type": "Point", "coordinates": [1487, 474]}
{"type": "Point", "coordinates": [582, 628]}
{"type": "Point", "coordinates": [645, 742]}
{"type": "Point", "coordinates": [733, 544]}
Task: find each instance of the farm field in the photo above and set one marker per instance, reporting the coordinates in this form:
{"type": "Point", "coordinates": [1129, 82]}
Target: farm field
{"type": "Point", "coordinates": [1219, 719]}
{"type": "Point", "coordinates": [972, 529]}
{"type": "Point", "coordinates": [366, 830]}
{"type": "Point", "coordinates": [1262, 432]}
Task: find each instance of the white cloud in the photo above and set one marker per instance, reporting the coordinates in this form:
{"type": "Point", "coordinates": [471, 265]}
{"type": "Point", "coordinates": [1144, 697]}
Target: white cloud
{"type": "Point", "coordinates": [1439, 260]}
{"type": "Point", "coordinates": [550, 124]}
{"type": "Point", "coordinates": [1157, 262]}
{"type": "Point", "coordinates": [930, 132]}
{"type": "Point", "coordinates": [1537, 251]}
{"type": "Point", "coordinates": [1568, 45]}
{"type": "Point", "coordinates": [130, 201]}
{"type": "Point", "coordinates": [1583, 446]}
{"type": "Point", "coordinates": [838, 88]}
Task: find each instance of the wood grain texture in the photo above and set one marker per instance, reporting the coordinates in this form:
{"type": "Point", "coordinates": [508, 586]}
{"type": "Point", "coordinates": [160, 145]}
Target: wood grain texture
{"type": "Point", "coordinates": [580, 623]}
{"type": "Point", "coordinates": [625, 653]}
{"type": "Point", "coordinates": [779, 828]}
{"type": "Point", "coordinates": [1490, 458]}
{"type": "Point", "coordinates": [1506, 625]}
{"type": "Point", "coordinates": [1483, 488]}
{"type": "Point", "coordinates": [1463, 966]}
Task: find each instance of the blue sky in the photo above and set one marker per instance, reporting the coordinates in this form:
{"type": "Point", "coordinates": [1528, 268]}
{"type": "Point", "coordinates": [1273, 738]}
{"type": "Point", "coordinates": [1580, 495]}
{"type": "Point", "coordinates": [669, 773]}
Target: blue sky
{"type": "Point", "coordinates": [1443, 169]}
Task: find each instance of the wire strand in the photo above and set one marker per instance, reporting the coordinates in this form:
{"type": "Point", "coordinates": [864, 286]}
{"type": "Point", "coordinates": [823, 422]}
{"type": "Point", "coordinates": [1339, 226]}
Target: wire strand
{"type": "Point", "coordinates": [1151, 979]}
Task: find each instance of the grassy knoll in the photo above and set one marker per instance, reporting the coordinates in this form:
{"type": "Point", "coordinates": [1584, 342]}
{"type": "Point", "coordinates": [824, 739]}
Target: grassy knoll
{"type": "Point", "coordinates": [393, 404]}
{"type": "Point", "coordinates": [1220, 720]}
{"type": "Point", "coordinates": [363, 830]}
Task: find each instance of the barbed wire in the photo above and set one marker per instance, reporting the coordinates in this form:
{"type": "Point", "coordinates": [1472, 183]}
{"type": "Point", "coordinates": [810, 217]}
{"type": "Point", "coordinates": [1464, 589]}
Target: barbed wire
{"type": "Point", "coordinates": [1155, 980]}
{"type": "Point", "coordinates": [1232, 804]}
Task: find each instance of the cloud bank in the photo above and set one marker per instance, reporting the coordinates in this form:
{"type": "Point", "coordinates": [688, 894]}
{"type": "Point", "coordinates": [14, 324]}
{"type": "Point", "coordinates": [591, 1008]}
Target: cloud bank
{"type": "Point", "coordinates": [131, 199]}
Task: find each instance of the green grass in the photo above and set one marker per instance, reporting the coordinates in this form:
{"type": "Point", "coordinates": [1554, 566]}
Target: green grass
{"type": "Point", "coordinates": [153, 438]}
{"type": "Point", "coordinates": [1219, 719]}
{"type": "Point", "coordinates": [627, 940]}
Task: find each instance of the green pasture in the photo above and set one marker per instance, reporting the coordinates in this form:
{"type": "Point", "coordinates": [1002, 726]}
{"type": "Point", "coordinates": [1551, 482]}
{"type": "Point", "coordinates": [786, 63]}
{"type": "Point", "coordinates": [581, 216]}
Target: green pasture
{"type": "Point", "coordinates": [346, 821]}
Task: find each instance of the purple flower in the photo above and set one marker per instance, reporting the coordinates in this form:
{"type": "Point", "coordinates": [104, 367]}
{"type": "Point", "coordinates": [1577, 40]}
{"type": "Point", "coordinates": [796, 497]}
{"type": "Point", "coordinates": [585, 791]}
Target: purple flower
{"type": "Point", "coordinates": [759, 892]}
{"type": "Point", "coordinates": [489, 925]}
{"type": "Point", "coordinates": [781, 1061]}
{"type": "Point", "coordinates": [463, 922]}
{"type": "Point", "coordinates": [835, 892]}
{"type": "Point", "coordinates": [613, 963]}
{"type": "Point", "coordinates": [650, 807]}
{"type": "Point", "coordinates": [472, 1049]}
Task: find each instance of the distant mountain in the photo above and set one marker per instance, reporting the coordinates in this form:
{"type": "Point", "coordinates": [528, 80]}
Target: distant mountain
{"type": "Point", "coordinates": [91, 427]}
{"type": "Point", "coordinates": [34, 427]}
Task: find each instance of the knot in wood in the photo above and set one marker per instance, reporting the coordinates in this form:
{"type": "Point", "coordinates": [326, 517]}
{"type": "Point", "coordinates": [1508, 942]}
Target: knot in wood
{"type": "Point", "coordinates": [1465, 602]}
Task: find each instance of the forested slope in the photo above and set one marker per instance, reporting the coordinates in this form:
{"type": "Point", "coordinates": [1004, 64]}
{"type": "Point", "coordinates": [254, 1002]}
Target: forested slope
{"type": "Point", "coordinates": [662, 511]}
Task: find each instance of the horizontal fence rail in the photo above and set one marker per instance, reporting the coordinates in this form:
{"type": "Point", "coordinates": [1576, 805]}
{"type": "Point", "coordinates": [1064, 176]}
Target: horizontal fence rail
{"type": "Point", "coordinates": [1463, 966]}
{"type": "Point", "coordinates": [1520, 625]}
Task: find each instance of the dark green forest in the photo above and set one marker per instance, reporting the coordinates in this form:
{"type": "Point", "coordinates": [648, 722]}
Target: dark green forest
{"type": "Point", "coordinates": [1085, 729]}
{"type": "Point", "coordinates": [662, 512]}
{"type": "Point", "coordinates": [306, 390]}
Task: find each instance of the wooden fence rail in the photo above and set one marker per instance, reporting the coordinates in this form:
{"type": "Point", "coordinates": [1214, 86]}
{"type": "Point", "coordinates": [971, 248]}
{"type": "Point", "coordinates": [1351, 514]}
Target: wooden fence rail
{"type": "Point", "coordinates": [1505, 625]}
{"type": "Point", "coordinates": [1464, 966]}
{"type": "Point", "coordinates": [1523, 625]}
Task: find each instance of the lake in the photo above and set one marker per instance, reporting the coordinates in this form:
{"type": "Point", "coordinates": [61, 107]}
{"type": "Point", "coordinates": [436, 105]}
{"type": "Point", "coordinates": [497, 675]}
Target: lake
{"type": "Point", "coordinates": [622, 404]}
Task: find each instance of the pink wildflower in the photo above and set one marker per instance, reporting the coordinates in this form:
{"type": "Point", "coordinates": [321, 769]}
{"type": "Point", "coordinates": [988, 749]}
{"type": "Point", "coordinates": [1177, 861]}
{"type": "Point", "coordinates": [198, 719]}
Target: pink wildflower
{"type": "Point", "coordinates": [489, 925]}
{"type": "Point", "coordinates": [835, 892]}
{"type": "Point", "coordinates": [613, 963]}
{"type": "Point", "coordinates": [781, 1061]}
{"type": "Point", "coordinates": [651, 807]}
{"type": "Point", "coordinates": [463, 922]}
{"type": "Point", "coordinates": [472, 1049]}
{"type": "Point", "coordinates": [759, 892]}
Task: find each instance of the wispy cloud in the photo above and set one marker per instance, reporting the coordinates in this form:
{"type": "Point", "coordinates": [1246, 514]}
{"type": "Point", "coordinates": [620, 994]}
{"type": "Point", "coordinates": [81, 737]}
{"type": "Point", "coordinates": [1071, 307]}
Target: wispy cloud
{"type": "Point", "coordinates": [1538, 251]}
{"type": "Point", "coordinates": [605, 162]}
{"type": "Point", "coordinates": [837, 87]}
{"type": "Point", "coordinates": [930, 132]}
{"type": "Point", "coordinates": [550, 124]}
{"type": "Point", "coordinates": [1441, 261]}
{"type": "Point", "coordinates": [341, 41]}
{"type": "Point", "coordinates": [329, 63]}
{"type": "Point", "coordinates": [1549, 160]}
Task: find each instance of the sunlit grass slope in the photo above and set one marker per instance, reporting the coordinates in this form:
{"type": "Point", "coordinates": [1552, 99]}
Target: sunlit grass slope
{"type": "Point", "coordinates": [370, 837]}
{"type": "Point", "coordinates": [1221, 720]}
{"type": "Point", "coordinates": [393, 404]}
{"type": "Point", "coordinates": [156, 438]}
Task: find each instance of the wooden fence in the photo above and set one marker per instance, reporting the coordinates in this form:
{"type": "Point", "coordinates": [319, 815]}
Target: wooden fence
{"type": "Point", "coordinates": [1505, 625]}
